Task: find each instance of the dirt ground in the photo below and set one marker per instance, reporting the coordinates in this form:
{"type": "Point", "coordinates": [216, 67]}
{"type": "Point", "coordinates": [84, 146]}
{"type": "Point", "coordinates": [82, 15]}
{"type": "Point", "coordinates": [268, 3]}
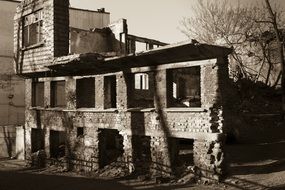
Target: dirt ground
{"type": "Point", "coordinates": [252, 166]}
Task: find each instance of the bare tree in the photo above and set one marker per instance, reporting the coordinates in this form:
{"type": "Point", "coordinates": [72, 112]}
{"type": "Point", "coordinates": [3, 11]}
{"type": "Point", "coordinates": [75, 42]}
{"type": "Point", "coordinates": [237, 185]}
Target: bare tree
{"type": "Point", "coordinates": [240, 27]}
{"type": "Point", "coordinates": [280, 41]}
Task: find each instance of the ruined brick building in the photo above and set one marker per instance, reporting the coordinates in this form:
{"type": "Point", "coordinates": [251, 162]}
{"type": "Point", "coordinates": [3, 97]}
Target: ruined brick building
{"type": "Point", "coordinates": [91, 97]}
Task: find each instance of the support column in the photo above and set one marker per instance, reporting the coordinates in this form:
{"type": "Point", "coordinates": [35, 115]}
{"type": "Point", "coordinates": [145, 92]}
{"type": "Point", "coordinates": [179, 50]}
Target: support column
{"type": "Point", "coordinates": [47, 99]}
{"type": "Point", "coordinates": [70, 91]}
{"type": "Point", "coordinates": [160, 156]}
{"type": "Point", "coordinates": [209, 159]}
{"type": "Point", "coordinates": [47, 141]}
{"type": "Point", "coordinates": [99, 94]}
{"type": "Point", "coordinates": [91, 149]}
{"type": "Point", "coordinates": [128, 152]}
{"type": "Point", "coordinates": [123, 88]}
{"type": "Point", "coordinates": [29, 118]}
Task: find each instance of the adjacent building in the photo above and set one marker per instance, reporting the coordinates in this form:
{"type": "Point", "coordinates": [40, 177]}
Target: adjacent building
{"type": "Point", "coordinates": [12, 87]}
{"type": "Point", "coordinates": [92, 98]}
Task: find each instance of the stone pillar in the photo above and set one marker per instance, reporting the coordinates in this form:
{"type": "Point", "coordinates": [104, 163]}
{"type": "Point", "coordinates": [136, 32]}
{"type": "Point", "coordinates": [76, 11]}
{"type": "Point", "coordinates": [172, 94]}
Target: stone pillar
{"type": "Point", "coordinates": [209, 159]}
{"type": "Point", "coordinates": [28, 143]}
{"type": "Point", "coordinates": [47, 99]}
{"type": "Point", "coordinates": [20, 143]}
{"type": "Point", "coordinates": [160, 87]}
{"type": "Point", "coordinates": [70, 91]}
{"type": "Point", "coordinates": [160, 156]}
{"type": "Point", "coordinates": [47, 143]}
{"type": "Point", "coordinates": [122, 91]}
{"type": "Point", "coordinates": [128, 152]}
{"type": "Point", "coordinates": [209, 85]}
{"type": "Point", "coordinates": [29, 117]}
{"type": "Point", "coordinates": [28, 93]}
{"type": "Point", "coordinates": [91, 149]}
{"type": "Point", "coordinates": [99, 94]}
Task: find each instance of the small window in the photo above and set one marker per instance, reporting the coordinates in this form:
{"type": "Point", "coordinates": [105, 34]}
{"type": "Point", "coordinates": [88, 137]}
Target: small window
{"type": "Point", "coordinates": [110, 93]}
{"type": "Point", "coordinates": [85, 93]}
{"type": "Point", "coordinates": [80, 131]}
{"type": "Point", "coordinates": [142, 90]}
{"type": "Point", "coordinates": [32, 29]}
{"type": "Point", "coordinates": [58, 94]}
{"type": "Point", "coordinates": [141, 81]}
{"type": "Point", "coordinates": [38, 94]}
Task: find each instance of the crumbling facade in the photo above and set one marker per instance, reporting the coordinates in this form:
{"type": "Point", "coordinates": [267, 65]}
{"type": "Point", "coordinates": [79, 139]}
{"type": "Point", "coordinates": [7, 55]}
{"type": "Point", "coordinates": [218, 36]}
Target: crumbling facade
{"type": "Point", "coordinates": [92, 99]}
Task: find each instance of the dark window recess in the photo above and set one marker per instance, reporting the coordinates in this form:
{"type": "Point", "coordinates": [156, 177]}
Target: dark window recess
{"type": "Point", "coordinates": [184, 87]}
{"type": "Point", "coordinates": [110, 93]}
{"type": "Point", "coordinates": [38, 94]}
{"type": "Point", "coordinates": [110, 146]}
{"type": "Point", "coordinates": [37, 140]}
{"type": "Point", "coordinates": [80, 131]}
{"type": "Point", "coordinates": [141, 153]}
{"type": "Point", "coordinates": [85, 93]}
{"type": "Point", "coordinates": [181, 151]}
{"type": "Point", "coordinates": [57, 144]}
{"type": "Point", "coordinates": [58, 94]}
{"type": "Point", "coordinates": [32, 29]}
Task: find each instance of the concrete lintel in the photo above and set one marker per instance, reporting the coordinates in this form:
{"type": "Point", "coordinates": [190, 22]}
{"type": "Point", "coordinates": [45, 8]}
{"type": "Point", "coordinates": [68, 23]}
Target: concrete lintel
{"type": "Point", "coordinates": [174, 66]}
{"type": "Point", "coordinates": [140, 109]}
{"type": "Point", "coordinates": [186, 109]}
{"type": "Point", "coordinates": [179, 134]}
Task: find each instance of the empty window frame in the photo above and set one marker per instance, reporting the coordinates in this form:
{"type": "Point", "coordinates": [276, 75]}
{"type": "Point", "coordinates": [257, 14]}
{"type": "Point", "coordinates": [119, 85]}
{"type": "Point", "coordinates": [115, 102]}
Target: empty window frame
{"type": "Point", "coordinates": [185, 87]}
{"type": "Point", "coordinates": [110, 93]}
{"type": "Point", "coordinates": [38, 94]}
{"type": "Point", "coordinates": [32, 29]}
{"type": "Point", "coordinates": [58, 94]}
{"type": "Point", "coordinates": [142, 90]}
{"type": "Point", "coordinates": [141, 81]}
{"type": "Point", "coordinates": [85, 92]}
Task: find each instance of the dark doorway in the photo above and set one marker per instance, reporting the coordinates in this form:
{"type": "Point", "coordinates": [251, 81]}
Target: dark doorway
{"type": "Point", "coordinates": [110, 146]}
{"type": "Point", "coordinates": [141, 152]}
{"type": "Point", "coordinates": [182, 151]}
{"type": "Point", "coordinates": [57, 144]}
{"type": "Point", "coordinates": [37, 140]}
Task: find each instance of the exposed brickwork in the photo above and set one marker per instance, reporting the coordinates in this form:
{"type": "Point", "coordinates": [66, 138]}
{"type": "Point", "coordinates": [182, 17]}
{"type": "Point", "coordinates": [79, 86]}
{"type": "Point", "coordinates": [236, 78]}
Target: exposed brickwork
{"type": "Point", "coordinates": [209, 159]}
{"type": "Point", "coordinates": [152, 128]}
{"type": "Point", "coordinates": [157, 124]}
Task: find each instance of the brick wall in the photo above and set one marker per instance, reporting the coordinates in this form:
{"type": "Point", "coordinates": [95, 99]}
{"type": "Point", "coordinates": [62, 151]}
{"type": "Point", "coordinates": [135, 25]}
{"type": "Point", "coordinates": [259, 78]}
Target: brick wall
{"type": "Point", "coordinates": [204, 125]}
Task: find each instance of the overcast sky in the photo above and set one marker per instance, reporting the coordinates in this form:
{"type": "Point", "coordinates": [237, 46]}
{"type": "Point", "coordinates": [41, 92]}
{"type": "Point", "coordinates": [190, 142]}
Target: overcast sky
{"type": "Point", "coordinates": [158, 19]}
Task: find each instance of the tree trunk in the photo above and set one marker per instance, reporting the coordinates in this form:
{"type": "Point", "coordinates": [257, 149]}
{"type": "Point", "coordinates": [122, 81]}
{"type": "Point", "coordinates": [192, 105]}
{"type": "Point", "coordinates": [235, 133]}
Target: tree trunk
{"type": "Point", "coordinates": [281, 53]}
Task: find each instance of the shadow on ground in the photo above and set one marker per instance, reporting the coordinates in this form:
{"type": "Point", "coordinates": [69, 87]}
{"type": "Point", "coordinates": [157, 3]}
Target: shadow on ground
{"type": "Point", "coordinates": [255, 166]}
{"type": "Point", "coordinates": [256, 158]}
{"type": "Point", "coordinates": [26, 181]}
